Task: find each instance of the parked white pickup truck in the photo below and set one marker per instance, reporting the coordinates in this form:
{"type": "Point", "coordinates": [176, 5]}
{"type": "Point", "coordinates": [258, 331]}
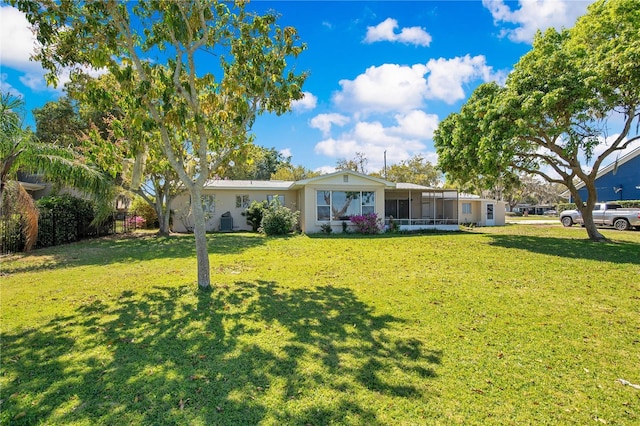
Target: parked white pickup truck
{"type": "Point", "coordinates": [605, 214]}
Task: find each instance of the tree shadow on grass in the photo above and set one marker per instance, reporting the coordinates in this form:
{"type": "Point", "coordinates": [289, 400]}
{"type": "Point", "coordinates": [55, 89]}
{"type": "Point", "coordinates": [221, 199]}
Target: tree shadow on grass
{"type": "Point", "coordinates": [609, 251]}
{"type": "Point", "coordinates": [129, 248]}
{"type": "Point", "coordinates": [244, 354]}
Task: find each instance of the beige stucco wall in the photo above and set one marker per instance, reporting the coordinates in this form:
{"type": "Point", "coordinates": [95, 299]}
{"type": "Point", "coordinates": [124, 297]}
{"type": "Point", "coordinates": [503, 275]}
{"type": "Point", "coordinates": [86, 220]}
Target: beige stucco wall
{"type": "Point", "coordinates": [475, 215]}
{"type": "Point", "coordinates": [479, 212]}
{"type": "Point", "coordinates": [310, 224]}
{"type": "Point", "coordinates": [225, 201]}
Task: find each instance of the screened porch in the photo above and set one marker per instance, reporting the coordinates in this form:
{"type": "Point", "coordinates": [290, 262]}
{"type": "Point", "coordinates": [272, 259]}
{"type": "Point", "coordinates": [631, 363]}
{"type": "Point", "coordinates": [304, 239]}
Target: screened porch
{"type": "Point", "coordinates": [416, 208]}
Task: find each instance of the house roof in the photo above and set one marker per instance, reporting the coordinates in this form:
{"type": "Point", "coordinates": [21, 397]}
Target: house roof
{"type": "Point", "coordinates": [406, 185]}
{"type": "Point", "coordinates": [29, 186]}
{"type": "Point", "coordinates": [614, 164]}
{"type": "Point", "coordinates": [314, 179]}
{"type": "Point", "coordinates": [249, 184]}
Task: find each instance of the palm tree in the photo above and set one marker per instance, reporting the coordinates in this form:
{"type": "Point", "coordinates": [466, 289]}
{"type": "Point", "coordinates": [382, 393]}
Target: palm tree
{"type": "Point", "coordinates": [19, 150]}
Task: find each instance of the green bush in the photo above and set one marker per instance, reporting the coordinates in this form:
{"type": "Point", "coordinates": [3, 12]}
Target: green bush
{"type": "Point", "coordinates": [565, 206]}
{"type": "Point", "coordinates": [277, 219]}
{"type": "Point", "coordinates": [394, 227]}
{"type": "Point", "coordinates": [254, 213]}
{"type": "Point", "coordinates": [139, 207]}
{"type": "Point", "coordinates": [63, 219]}
{"type": "Point", "coordinates": [325, 228]}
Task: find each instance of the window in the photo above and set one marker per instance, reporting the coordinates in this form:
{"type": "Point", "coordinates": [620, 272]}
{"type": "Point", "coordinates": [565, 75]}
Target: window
{"type": "Point", "coordinates": [466, 208]}
{"type": "Point", "coordinates": [341, 205]}
{"type": "Point", "coordinates": [323, 205]}
{"type": "Point", "coordinates": [368, 202]}
{"type": "Point", "coordinates": [242, 201]}
{"type": "Point", "coordinates": [270, 198]}
{"type": "Point", "coordinates": [209, 204]}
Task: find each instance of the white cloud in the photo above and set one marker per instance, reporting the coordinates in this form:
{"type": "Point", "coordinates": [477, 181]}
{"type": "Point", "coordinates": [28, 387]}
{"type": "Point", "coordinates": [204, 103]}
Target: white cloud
{"type": "Point", "coordinates": [402, 140]}
{"type": "Point", "coordinates": [323, 170]}
{"type": "Point", "coordinates": [323, 122]}
{"type": "Point", "coordinates": [34, 81]}
{"type": "Point", "coordinates": [17, 40]}
{"type": "Point", "coordinates": [535, 15]}
{"type": "Point", "coordinates": [307, 103]}
{"type": "Point", "coordinates": [416, 124]}
{"type": "Point", "coordinates": [5, 87]}
{"type": "Point", "coordinates": [388, 87]}
{"type": "Point", "coordinates": [18, 43]}
{"type": "Point", "coordinates": [391, 87]}
{"type": "Point", "coordinates": [448, 76]}
{"type": "Point", "coordinates": [286, 152]}
{"type": "Point", "coordinates": [385, 31]}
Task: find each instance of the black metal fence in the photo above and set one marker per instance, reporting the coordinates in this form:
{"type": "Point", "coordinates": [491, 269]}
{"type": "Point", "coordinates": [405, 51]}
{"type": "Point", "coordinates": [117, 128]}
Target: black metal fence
{"type": "Point", "coordinates": [55, 228]}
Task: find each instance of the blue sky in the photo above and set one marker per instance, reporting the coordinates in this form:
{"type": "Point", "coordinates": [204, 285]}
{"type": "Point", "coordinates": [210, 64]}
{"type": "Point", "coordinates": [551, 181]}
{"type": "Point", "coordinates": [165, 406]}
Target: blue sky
{"type": "Point", "coordinates": [381, 74]}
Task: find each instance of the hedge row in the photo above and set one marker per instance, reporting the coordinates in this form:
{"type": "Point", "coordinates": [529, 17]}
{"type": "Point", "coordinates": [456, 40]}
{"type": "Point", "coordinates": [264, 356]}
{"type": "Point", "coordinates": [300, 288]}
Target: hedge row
{"type": "Point", "coordinates": [62, 219]}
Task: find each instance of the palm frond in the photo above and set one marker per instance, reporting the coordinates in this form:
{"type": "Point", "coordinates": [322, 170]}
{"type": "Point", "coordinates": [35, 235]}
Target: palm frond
{"type": "Point", "coordinates": [16, 200]}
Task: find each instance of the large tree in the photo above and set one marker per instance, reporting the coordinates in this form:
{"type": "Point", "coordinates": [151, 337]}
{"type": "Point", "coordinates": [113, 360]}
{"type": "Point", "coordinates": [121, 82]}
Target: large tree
{"type": "Point", "coordinates": [254, 162]}
{"type": "Point", "coordinates": [358, 163]}
{"type": "Point", "coordinates": [288, 171]}
{"type": "Point", "coordinates": [569, 104]}
{"type": "Point", "coordinates": [412, 170]}
{"type": "Point", "coordinates": [58, 122]}
{"type": "Point", "coordinates": [121, 140]}
{"type": "Point", "coordinates": [202, 70]}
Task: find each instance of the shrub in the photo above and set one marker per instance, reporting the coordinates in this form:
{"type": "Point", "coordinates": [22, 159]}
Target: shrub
{"type": "Point", "coordinates": [136, 222]}
{"type": "Point", "coordinates": [64, 219]}
{"type": "Point", "coordinates": [277, 219]}
{"type": "Point", "coordinates": [325, 228]}
{"type": "Point", "coordinates": [368, 223]}
{"type": "Point", "coordinates": [254, 213]}
{"type": "Point", "coordinates": [140, 208]}
{"type": "Point", "coordinates": [394, 226]}
{"type": "Point", "coordinates": [345, 228]}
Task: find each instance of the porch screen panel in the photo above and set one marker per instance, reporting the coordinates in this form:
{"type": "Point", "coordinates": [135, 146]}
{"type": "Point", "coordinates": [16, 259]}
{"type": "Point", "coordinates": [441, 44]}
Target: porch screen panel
{"type": "Point", "coordinates": [403, 209]}
{"type": "Point", "coordinates": [391, 208]}
{"type": "Point", "coordinates": [323, 205]}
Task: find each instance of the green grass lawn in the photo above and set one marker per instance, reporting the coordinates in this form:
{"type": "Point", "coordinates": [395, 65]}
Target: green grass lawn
{"type": "Point", "coordinates": [523, 324]}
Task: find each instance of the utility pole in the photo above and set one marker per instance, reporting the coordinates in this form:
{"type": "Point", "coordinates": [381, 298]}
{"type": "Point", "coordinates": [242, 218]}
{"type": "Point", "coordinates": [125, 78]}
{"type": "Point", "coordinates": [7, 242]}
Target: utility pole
{"type": "Point", "coordinates": [385, 163]}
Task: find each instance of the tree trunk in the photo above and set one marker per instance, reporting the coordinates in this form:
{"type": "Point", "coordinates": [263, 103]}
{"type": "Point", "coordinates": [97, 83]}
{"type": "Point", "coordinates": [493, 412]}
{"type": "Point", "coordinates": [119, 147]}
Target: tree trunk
{"type": "Point", "coordinates": [200, 233]}
{"type": "Point", "coordinates": [590, 226]}
{"type": "Point", "coordinates": [164, 214]}
{"type": "Point", "coordinates": [163, 223]}
{"type": "Point", "coordinates": [587, 211]}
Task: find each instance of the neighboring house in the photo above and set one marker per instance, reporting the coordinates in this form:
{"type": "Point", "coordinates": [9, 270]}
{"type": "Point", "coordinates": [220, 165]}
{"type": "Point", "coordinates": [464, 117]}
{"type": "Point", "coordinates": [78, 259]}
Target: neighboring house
{"type": "Point", "coordinates": [34, 185]}
{"type": "Point", "coordinates": [619, 180]}
{"type": "Point", "coordinates": [537, 209]}
{"type": "Point", "coordinates": [333, 198]}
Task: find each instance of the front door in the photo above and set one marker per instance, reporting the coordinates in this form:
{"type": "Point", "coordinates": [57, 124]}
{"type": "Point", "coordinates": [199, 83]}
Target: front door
{"type": "Point", "coordinates": [490, 218]}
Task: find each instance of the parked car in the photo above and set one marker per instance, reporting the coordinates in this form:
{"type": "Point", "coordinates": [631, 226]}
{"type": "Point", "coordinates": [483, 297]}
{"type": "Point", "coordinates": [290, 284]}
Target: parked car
{"type": "Point", "coordinates": [605, 214]}
{"type": "Point", "coordinates": [550, 213]}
